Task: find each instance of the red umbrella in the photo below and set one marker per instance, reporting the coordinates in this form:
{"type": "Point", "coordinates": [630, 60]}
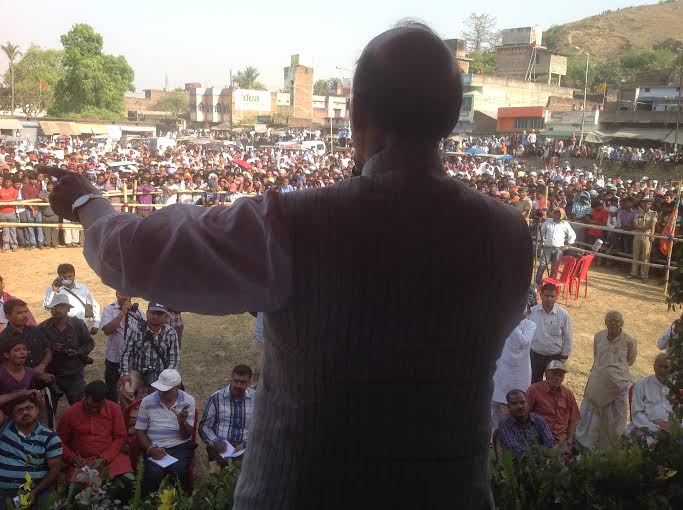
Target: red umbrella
{"type": "Point", "coordinates": [243, 164]}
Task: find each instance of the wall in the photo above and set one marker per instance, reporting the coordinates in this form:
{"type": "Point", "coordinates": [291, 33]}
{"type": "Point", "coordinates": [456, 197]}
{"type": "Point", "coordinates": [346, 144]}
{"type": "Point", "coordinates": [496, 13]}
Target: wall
{"type": "Point", "coordinates": [523, 35]}
{"type": "Point", "coordinates": [143, 104]}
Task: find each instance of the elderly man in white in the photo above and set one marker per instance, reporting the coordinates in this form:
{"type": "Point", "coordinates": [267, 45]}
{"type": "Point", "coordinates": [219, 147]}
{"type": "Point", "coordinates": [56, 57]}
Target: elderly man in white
{"type": "Point", "coordinates": [650, 407]}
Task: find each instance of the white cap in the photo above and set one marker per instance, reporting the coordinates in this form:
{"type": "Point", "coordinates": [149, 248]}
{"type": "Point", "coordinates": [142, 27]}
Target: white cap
{"type": "Point", "coordinates": [553, 365]}
{"type": "Point", "coordinates": [167, 379]}
{"type": "Point", "coordinates": [59, 299]}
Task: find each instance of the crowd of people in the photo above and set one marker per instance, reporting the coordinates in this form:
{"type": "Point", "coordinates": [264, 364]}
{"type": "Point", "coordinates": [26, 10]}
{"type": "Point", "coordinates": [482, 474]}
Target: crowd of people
{"type": "Point", "coordinates": [43, 362]}
{"type": "Point", "coordinates": [141, 383]}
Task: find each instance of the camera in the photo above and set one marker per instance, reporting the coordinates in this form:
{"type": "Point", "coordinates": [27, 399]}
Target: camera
{"type": "Point", "coordinates": [134, 307]}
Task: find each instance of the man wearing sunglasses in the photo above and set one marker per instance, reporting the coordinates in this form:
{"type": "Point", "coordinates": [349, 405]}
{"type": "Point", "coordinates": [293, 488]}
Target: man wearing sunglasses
{"type": "Point", "coordinates": [150, 348]}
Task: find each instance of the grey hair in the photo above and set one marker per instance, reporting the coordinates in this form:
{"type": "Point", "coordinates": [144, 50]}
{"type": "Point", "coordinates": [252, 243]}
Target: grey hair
{"type": "Point", "coordinates": [614, 313]}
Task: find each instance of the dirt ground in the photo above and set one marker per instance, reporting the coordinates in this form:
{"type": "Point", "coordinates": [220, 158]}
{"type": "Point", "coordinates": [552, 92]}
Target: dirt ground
{"type": "Point", "coordinates": [213, 345]}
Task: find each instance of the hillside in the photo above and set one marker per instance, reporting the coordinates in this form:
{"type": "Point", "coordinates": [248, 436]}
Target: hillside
{"type": "Point", "coordinates": [610, 34]}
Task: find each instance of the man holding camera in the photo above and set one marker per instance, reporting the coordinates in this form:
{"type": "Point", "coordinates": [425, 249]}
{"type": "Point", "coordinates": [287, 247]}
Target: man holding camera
{"type": "Point", "coordinates": [83, 303]}
{"type": "Point", "coordinates": [71, 343]}
{"type": "Point", "coordinates": [117, 319]}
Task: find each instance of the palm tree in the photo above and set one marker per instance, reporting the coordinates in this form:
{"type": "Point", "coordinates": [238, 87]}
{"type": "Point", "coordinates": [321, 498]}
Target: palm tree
{"type": "Point", "coordinates": [13, 53]}
{"type": "Point", "coordinates": [248, 79]}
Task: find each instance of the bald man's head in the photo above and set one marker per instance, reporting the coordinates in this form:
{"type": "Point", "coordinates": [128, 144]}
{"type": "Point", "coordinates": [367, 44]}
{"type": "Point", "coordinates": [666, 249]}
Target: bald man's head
{"type": "Point", "coordinates": [661, 366]}
{"type": "Point", "coordinates": [406, 83]}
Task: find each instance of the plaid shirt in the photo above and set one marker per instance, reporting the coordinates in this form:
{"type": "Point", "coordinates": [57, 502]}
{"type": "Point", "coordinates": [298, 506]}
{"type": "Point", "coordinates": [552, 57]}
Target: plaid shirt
{"type": "Point", "coordinates": [225, 419]}
{"type": "Point", "coordinates": [520, 438]}
{"type": "Point", "coordinates": [139, 353]}
{"type": "Point", "coordinates": [174, 319]}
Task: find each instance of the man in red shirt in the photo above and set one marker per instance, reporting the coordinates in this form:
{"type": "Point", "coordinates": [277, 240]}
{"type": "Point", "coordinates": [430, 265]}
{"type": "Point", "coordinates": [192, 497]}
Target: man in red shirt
{"type": "Point", "coordinates": [8, 214]}
{"type": "Point", "coordinates": [599, 216]}
{"type": "Point", "coordinates": [555, 403]}
{"type": "Point", "coordinates": [93, 432]}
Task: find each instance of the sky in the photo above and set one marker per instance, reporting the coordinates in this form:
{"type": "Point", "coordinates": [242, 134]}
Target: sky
{"type": "Point", "coordinates": [202, 40]}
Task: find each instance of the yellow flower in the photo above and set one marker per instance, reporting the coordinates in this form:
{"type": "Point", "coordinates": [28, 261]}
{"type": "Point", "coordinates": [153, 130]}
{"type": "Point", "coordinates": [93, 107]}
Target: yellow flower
{"type": "Point", "coordinates": [29, 482]}
{"type": "Point", "coordinates": [166, 499]}
{"type": "Point", "coordinates": [24, 500]}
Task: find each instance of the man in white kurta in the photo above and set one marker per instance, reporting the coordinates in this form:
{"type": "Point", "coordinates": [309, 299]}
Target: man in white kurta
{"type": "Point", "coordinates": [513, 369]}
{"type": "Point", "coordinates": [650, 407]}
{"type": "Point", "coordinates": [605, 401]}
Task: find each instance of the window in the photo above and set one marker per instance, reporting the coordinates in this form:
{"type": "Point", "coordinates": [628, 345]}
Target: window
{"type": "Point", "coordinates": [529, 123]}
{"type": "Point", "coordinates": [646, 89]}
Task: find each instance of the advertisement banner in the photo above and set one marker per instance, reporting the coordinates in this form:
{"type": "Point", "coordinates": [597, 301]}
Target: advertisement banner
{"type": "Point", "coordinates": [252, 100]}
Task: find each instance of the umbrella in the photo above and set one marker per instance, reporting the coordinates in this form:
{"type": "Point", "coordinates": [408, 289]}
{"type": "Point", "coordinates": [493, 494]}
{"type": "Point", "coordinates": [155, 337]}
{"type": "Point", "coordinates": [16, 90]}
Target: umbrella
{"type": "Point", "coordinates": [475, 150]}
{"type": "Point", "coordinates": [506, 157]}
{"type": "Point", "coordinates": [243, 164]}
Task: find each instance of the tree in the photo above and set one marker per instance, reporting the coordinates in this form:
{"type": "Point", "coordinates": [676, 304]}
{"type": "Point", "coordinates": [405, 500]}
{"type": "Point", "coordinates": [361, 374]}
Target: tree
{"type": "Point", "coordinates": [326, 87]}
{"type": "Point", "coordinates": [483, 62]}
{"type": "Point", "coordinates": [481, 33]}
{"type": "Point", "coordinates": [12, 52]}
{"type": "Point", "coordinates": [320, 88]}
{"type": "Point", "coordinates": [248, 79]}
{"type": "Point", "coordinates": [93, 82]}
{"type": "Point", "coordinates": [175, 102]}
{"type": "Point", "coordinates": [36, 76]}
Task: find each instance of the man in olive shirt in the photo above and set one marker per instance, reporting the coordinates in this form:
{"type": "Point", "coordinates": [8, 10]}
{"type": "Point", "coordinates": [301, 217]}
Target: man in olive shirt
{"type": "Point", "coordinates": [645, 221]}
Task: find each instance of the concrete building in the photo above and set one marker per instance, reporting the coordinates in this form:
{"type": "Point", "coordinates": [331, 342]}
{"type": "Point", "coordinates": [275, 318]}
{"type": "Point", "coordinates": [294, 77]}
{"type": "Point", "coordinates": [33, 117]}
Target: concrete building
{"type": "Point", "coordinates": [561, 124]}
{"type": "Point", "coordinates": [520, 118]}
{"type": "Point", "coordinates": [459, 49]}
{"type": "Point", "coordinates": [654, 91]}
{"type": "Point", "coordinates": [484, 95]}
{"type": "Point", "coordinates": [298, 83]}
{"type": "Point", "coordinates": [522, 56]}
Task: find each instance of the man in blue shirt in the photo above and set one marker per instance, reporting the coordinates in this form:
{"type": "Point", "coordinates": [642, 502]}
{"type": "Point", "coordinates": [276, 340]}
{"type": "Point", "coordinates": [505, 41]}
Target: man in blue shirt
{"type": "Point", "coordinates": [26, 446]}
{"type": "Point", "coordinates": [521, 430]}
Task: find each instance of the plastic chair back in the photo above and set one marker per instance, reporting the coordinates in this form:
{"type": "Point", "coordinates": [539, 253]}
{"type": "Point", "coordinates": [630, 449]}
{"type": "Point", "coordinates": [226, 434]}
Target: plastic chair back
{"type": "Point", "coordinates": [567, 262]}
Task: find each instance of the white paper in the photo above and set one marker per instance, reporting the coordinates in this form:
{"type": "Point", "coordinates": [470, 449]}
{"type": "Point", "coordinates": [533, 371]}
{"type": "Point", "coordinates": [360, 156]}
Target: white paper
{"type": "Point", "coordinates": [165, 461]}
{"type": "Point", "coordinates": [230, 451]}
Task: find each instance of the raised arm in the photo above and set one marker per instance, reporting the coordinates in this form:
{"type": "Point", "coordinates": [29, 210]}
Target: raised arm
{"type": "Point", "coordinates": [241, 254]}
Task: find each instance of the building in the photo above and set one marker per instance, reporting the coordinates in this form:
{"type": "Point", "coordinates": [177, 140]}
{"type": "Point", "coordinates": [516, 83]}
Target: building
{"type": "Point", "coordinates": [520, 118]}
{"type": "Point", "coordinates": [657, 91]}
{"type": "Point", "coordinates": [459, 50]}
{"type": "Point", "coordinates": [521, 56]}
{"type": "Point", "coordinates": [145, 102]}
{"type": "Point", "coordinates": [484, 95]}
{"type": "Point", "coordinates": [561, 123]}
{"type": "Point", "coordinates": [298, 82]}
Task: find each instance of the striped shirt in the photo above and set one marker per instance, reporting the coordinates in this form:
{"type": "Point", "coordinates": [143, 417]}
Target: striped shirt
{"type": "Point", "coordinates": [20, 454]}
{"type": "Point", "coordinates": [225, 419]}
{"type": "Point", "coordinates": [161, 422]}
{"type": "Point", "coordinates": [150, 352]}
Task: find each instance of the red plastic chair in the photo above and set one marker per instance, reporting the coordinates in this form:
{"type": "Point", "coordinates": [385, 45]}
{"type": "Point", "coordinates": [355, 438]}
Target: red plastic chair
{"type": "Point", "coordinates": [134, 447]}
{"type": "Point", "coordinates": [563, 283]}
{"type": "Point", "coordinates": [581, 275]}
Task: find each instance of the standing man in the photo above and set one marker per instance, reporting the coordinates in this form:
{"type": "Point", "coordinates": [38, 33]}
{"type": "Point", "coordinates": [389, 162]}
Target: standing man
{"type": "Point", "coordinates": [555, 403]}
{"type": "Point", "coordinates": [150, 348]}
{"type": "Point", "coordinates": [525, 205]}
{"type": "Point", "coordinates": [175, 320]}
{"type": "Point", "coordinates": [553, 336]}
{"type": "Point", "coordinates": [30, 190]}
{"type": "Point", "coordinates": [71, 343]}
{"type": "Point", "coordinates": [556, 232]}
{"type": "Point", "coordinates": [83, 304]}
{"type": "Point", "coordinates": [118, 319]}
{"type": "Point", "coordinates": [227, 415]}
{"type": "Point", "coordinates": [349, 252]}
{"type": "Point", "coordinates": [605, 403]}
{"type": "Point", "coordinates": [645, 221]}
{"type": "Point", "coordinates": [8, 214]}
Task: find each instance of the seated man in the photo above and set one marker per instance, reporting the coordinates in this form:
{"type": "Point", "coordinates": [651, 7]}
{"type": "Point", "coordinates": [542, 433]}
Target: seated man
{"type": "Point", "coordinates": [650, 407]}
{"type": "Point", "coordinates": [521, 430]}
{"type": "Point", "coordinates": [227, 415]}
{"type": "Point", "coordinates": [164, 427]}
{"type": "Point", "coordinates": [93, 432]}
{"type": "Point", "coordinates": [26, 446]}
{"type": "Point", "coordinates": [555, 403]}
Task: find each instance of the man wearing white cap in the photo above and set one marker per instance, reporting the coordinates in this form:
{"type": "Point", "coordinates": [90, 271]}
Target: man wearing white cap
{"type": "Point", "coordinates": [555, 403]}
{"type": "Point", "coordinates": [164, 428]}
{"type": "Point", "coordinates": [71, 343]}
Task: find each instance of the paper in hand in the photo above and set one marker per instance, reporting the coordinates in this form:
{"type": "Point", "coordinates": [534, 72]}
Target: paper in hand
{"type": "Point", "coordinates": [230, 451]}
{"type": "Point", "coordinates": [165, 461]}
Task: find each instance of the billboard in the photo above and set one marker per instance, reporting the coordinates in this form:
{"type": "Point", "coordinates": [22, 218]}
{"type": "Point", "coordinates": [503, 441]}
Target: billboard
{"type": "Point", "coordinates": [252, 100]}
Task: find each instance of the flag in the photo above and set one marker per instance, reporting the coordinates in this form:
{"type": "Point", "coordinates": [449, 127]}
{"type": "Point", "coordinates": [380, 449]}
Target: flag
{"type": "Point", "coordinates": [42, 84]}
{"type": "Point", "coordinates": [602, 87]}
{"type": "Point", "coordinates": [670, 228]}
